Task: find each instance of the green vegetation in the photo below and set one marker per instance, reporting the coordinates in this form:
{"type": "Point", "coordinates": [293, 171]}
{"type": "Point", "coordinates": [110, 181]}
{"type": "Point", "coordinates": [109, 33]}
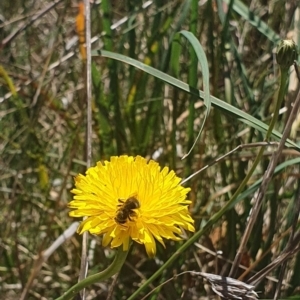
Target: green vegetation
{"type": "Point", "coordinates": [168, 78]}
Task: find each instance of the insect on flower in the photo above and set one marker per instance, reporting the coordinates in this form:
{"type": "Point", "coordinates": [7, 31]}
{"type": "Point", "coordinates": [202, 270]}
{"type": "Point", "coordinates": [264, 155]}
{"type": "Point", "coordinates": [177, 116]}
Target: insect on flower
{"type": "Point", "coordinates": [126, 210]}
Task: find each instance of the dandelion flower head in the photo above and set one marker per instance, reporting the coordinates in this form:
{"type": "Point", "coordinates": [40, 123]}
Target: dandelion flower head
{"type": "Point", "coordinates": [129, 198]}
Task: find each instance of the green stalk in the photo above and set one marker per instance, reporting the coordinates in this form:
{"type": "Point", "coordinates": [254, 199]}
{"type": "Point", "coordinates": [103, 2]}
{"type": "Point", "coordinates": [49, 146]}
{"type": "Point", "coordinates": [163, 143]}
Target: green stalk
{"type": "Point", "coordinates": [192, 81]}
{"type": "Point", "coordinates": [285, 56]}
{"type": "Point", "coordinates": [115, 93]}
{"type": "Point", "coordinates": [283, 79]}
{"type": "Point", "coordinates": [184, 247]}
{"type": "Point", "coordinates": [281, 93]}
{"type": "Point", "coordinates": [101, 276]}
{"type": "Point", "coordinates": [230, 203]}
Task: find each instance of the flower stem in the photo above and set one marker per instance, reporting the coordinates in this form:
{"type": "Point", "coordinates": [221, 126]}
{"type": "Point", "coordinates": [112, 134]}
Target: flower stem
{"type": "Point", "coordinates": [110, 271]}
{"type": "Point", "coordinates": [281, 93]}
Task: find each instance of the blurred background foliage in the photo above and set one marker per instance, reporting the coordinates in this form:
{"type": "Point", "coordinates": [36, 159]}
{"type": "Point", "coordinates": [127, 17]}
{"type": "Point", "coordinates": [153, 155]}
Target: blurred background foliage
{"type": "Point", "coordinates": [43, 134]}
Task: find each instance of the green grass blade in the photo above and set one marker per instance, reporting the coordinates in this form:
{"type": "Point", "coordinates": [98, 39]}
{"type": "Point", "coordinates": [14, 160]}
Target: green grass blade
{"type": "Point", "coordinates": [251, 190]}
{"type": "Point", "coordinates": [217, 103]}
{"type": "Point", "coordinates": [205, 71]}
{"type": "Point", "coordinates": [254, 20]}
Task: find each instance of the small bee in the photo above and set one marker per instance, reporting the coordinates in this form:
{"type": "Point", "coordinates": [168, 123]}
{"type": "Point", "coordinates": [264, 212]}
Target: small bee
{"type": "Point", "coordinates": [125, 210]}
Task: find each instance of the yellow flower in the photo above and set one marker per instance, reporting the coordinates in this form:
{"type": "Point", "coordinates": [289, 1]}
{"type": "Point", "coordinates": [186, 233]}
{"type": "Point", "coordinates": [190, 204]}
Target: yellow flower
{"type": "Point", "coordinates": [129, 198]}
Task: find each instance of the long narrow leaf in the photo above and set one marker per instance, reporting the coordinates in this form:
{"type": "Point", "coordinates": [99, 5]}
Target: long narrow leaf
{"type": "Point", "coordinates": [229, 109]}
{"type": "Point", "coordinates": [254, 20]}
{"type": "Point", "coordinates": [251, 190]}
{"type": "Point", "coordinates": [205, 72]}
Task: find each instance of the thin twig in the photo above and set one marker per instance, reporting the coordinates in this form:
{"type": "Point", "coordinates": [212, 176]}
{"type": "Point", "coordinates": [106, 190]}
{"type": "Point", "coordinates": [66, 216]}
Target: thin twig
{"type": "Point", "coordinates": [296, 211]}
{"type": "Point", "coordinates": [88, 82]}
{"type": "Point", "coordinates": [41, 78]}
{"type": "Point", "coordinates": [84, 259]}
{"type": "Point", "coordinates": [292, 234]}
{"type": "Point", "coordinates": [44, 255]}
{"type": "Point", "coordinates": [112, 286]}
{"type": "Point", "coordinates": [290, 250]}
{"type": "Point", "coordinates": [37, 16]}
{"type": "Point", "coordinates": [253, 266]}
{"type": "Point", "coordinates": [297, 70]}
{"type": "Point", "coordinates": [221, 158]}
{"type": "Point", "coordinates": [167, 281]}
